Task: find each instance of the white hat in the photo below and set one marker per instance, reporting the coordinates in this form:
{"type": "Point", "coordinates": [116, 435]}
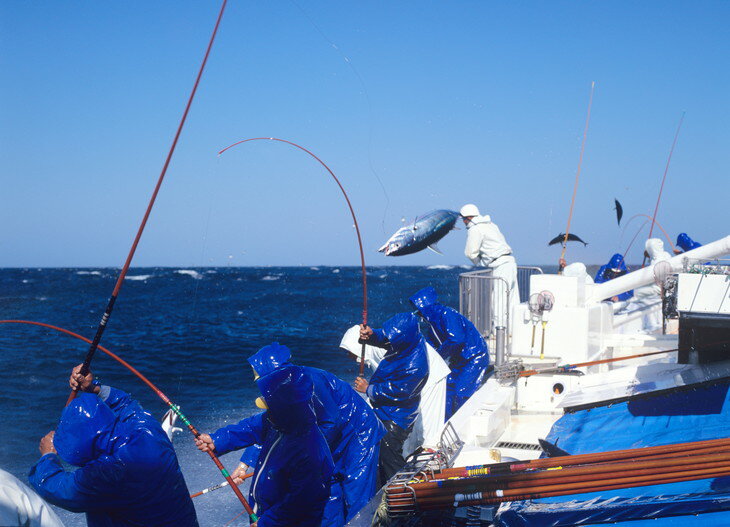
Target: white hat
{"type": "Point", "coordinates": [469, 210]}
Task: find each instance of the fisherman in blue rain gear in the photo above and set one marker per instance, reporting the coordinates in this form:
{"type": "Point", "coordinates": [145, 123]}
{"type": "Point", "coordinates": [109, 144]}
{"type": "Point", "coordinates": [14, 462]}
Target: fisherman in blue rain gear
{"type": "Point", "coordinates": [291, 482]}
{"type": "Point", "coordinates": [128, 472]}
{"type": "Point", "coordinates": [458, 342]}
{"type": "Point", "coordinates": [685, 243]}
{"type": "Point", "coordinates": [349, 425]}
{"type": "Point", "coordinates": [613, 269]}
{"type": "Point", "coordinates": [395, 387]}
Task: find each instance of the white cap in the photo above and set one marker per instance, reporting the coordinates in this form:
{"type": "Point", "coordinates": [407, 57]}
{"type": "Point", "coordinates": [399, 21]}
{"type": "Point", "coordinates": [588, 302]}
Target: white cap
{"type": "Point", "coordinates": [469, 210]}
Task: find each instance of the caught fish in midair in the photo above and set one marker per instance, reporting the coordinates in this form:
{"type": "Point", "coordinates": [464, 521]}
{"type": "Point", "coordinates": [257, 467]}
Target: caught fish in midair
{"type": "Point", "coordinates": [560, 238]}
{"type": "Point", "coordinates": [619, 211]}
{"type": "Point", "coordinates": [424, 232]}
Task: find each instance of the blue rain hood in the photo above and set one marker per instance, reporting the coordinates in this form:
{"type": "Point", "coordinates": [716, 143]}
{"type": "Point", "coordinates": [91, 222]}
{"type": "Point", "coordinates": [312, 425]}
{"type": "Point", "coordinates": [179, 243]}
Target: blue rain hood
{"type": "Point", "coordinates": [288, 394]}
{"type": "Point", "coordinates": [85, 430]}
{"type": "Point", "coordinates": [617, 262]}
{"type": "Point", "coordinates": [402, 331]}
{"type": "Point", "coordinates": [686, 243]}
{"type": "Point", "coordinates": [424, 297]}
{"type": "Point", "coordinates": [269, 358]}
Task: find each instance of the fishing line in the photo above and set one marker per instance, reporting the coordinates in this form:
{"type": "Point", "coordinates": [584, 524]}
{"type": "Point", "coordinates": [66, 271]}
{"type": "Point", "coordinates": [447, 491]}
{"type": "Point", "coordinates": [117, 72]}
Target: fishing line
{"type": "Point", "coordinates": [577, 177]}
{"type": "Point", "coordinates": [367, 100]}
{"type": "Point", "coordinates": [354, 219]}
{"type": "Point", "coordinates": [175, 408]}
{"type": "Point", "coordinates": [120, 280]}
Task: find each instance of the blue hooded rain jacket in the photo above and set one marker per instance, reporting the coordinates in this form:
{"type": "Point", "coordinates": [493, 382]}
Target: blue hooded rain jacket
{"type": "Point", "coordinates": [291, 482]}
{"type": "Point", "coordinates": [128, 475]}
{"type": "Point", "coordinates": [349, 425]}
{"type": "Point", "coordinates": [686, 243]}
{"type": "Point", "coordinates": [395, 387]}
{"type": "Point", "coordinates": [459, 343]}
{"type": "Point", "coordinates": [614, 268]}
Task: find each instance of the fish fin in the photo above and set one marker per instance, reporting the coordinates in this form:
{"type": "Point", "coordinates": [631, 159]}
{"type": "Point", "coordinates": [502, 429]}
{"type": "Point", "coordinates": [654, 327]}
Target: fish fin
{"type": "Point", "coordinates": [435, 248]}
{"type": "Point", "coordinates": [383, 248]}
{"type": "Point", "coordinates": [551, 449]}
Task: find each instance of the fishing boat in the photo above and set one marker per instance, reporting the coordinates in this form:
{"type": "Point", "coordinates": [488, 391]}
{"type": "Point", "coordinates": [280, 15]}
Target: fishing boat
{"type": "Point", "coordinates": [581, 375]}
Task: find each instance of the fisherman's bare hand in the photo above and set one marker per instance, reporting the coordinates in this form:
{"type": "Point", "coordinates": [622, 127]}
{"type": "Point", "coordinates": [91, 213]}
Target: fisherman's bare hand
{"type": "Point", "coordinates": [365, 332]}
{"type": "Point", "coordinates": [82, 383]}
{"type": "Point", "coordinates": [677, 250]}
{"type": "Point", "coordinates": [361, 385]}
{"type": "Point", "coordinates": [204, 443]}
{"type": "Point", "coordinates": [241, 470]}
{"type": "Point", "coordinates": [46, 444]}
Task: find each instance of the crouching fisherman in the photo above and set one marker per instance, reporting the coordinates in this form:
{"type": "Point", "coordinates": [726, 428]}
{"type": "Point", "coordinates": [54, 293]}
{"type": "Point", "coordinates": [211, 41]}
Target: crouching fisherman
{"type": "Point", "coordinates": [613, 269]}
{"type": "Point", "coordinates": [293, 473]}
{"type": "Point", "coordinates": [458, 342]}
{"type": "Point", "coordinates": [395, 387]}
{"type": "Point", "coordinates": [349, 425]}
{"type": "Point", "coordinates": [128, 472]}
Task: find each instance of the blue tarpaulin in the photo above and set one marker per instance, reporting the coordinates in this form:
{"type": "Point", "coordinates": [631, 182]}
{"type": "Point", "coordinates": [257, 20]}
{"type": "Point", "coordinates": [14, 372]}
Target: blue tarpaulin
{"type": "Point", "coordinates": [680, 416]}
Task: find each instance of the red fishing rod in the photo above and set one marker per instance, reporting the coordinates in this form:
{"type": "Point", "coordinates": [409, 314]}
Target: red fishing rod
{"type": "Point", "coordinates": [577, 177]}
{"type": "Point", "coordinates": [354, 219]}
{"type": "Point", "coordinates": [110, 305]}
{"type": "Point", "coordinates": [175, 408]}
{"type": "Point", "coordinates": [664, 178]}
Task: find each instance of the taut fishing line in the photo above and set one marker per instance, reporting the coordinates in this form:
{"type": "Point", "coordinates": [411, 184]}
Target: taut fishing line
{"type": "Point", "coordinates": [367, 99]}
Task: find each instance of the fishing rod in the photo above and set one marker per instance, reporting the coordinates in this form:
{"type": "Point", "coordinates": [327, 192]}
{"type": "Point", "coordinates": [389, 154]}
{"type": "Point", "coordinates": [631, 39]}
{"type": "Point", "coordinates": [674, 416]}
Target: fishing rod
{"type": "Point", "coordinates": [664, 178]}
{"type": "Point", "coordinates": [354, 219]}
{"type": "Point", "coordinates": [120, 280]}
{"type": "Point", "coordinates": [577, 177]}
{"type": "Point", "coordinates": [567, 367]}
{"type": "Point", "coordinates": [175, 408]}
{"type": "Point", "coordinates": [219, 486]}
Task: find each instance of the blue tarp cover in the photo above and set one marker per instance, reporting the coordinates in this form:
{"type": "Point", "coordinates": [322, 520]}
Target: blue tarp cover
{"type": "Point", "coordinates": [681, 416]}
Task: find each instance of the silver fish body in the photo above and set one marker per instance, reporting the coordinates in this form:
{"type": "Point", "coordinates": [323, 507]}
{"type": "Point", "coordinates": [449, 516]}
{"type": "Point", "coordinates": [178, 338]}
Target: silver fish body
{"type": "Point", "coordinates": [424, 231]}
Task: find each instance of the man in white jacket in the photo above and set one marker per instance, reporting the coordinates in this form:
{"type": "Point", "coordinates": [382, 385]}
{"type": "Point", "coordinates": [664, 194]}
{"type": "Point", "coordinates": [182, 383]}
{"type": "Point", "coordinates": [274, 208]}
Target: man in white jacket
{"type": "Point", "coordinates": [486, 247]}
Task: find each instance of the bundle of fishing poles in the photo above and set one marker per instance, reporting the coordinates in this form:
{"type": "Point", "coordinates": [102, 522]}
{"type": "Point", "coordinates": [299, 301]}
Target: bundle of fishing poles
{"type": "Point", "coordinates": [558, 476]}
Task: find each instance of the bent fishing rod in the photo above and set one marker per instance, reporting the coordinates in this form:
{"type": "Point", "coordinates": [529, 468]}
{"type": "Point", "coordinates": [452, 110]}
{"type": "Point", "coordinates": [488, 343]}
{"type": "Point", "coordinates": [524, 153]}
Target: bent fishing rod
{"type": "Point", "coordinates": [664, 178]}
{"type": "Point", "coordinates": [175, 408]}
{"type": "Point", "coordinates": [110, 304]}
{"type": "Point", "coordinates": [354, 220]}
{"type": "Point", "coordinates": [577, 177]}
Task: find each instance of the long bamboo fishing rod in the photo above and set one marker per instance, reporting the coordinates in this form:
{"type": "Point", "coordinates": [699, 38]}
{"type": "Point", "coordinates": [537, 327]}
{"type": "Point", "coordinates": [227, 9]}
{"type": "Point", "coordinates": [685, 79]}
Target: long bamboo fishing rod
{"type": "Point", "coordinates": [664, 178]}
{"type": "Point", "coordinates": [597, 457]}
{"type": "Point", "coordinates": [577, 178]}
{"type": "Point", "coordinates": [175, 408]}
{"type": "Point", "coordinates": [120, 280]}
{"type": "Point", "coordinates": [567, 367]}
{"type": "Point", "coordinates": [354, 219]}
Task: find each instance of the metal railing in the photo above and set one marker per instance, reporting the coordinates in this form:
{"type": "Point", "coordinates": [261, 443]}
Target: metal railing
{"type": "Point", "coordinates": [485, 300]}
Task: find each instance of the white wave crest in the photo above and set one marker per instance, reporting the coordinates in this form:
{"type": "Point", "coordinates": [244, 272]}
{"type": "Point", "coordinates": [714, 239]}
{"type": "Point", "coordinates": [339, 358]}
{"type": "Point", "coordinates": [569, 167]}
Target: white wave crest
{"type": "Point", "coordinates": [190, 273]}
{"type": "Point", "coordinates": [138, 277]}
{"type": "Point", "coordinates": [269, 277]}
{"type": "Point", "coordinates": [95, 273]}
{"type": "Point", "coordinates": [314, 268]}
{"type": "Point", "coordinates": [441, 267]}
{"type": "Point", "coordinates": [335, 270]}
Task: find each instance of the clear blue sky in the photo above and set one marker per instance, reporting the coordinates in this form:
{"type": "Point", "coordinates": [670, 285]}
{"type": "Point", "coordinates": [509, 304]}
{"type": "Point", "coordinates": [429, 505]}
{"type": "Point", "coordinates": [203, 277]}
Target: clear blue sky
{"type": "Point", "coordinates": [445, 102]}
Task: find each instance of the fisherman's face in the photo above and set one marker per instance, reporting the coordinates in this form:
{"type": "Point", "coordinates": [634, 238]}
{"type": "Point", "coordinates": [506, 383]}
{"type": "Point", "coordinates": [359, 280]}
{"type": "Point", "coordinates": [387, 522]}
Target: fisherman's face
{"type": "Point", "coordinates": [466, 220]}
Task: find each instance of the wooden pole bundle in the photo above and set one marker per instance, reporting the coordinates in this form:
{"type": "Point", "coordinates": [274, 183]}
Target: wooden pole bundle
{"type": "Point", "coordinates": [563, 475]}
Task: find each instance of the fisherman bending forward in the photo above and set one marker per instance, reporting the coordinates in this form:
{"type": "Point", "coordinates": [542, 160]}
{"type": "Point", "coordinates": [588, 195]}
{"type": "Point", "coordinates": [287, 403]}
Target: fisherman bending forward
{"type": "Point", "coordinates": [292, 478]}
{"type": "Point", "coordinates": [349, 425]}
{"type": "Point", "coordinates": [128, 473]}
{"type": "Point", "coordinates": [395, 388]}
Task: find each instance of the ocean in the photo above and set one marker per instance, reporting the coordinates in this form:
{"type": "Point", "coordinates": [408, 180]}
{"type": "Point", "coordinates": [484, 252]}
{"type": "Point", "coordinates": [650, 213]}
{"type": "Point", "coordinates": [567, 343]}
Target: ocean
{"type": "Point", "coordinates": [190, 332]}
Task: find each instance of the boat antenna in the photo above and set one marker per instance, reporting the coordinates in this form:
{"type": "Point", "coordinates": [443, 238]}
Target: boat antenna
{"type": "Point", "coordinates": [175, 408]}
{"type": "Point", "coordinates": [120, 280]}
{"type": "Point", "coordinates": [577, 177]}
{"type": "Point", "coordinates": [354, 219]}
{"type": "Point", "coordinates": [664, 178]}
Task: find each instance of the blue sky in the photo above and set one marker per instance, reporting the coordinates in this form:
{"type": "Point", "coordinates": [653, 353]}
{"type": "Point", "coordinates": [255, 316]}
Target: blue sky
{"type": "Point", "coordinates": [444, 102]}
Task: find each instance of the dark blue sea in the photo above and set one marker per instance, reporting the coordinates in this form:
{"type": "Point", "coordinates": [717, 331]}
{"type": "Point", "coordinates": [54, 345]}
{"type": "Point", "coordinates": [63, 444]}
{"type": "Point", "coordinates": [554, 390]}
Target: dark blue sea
{"type": "Point", "coordinates": [190, 332]}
